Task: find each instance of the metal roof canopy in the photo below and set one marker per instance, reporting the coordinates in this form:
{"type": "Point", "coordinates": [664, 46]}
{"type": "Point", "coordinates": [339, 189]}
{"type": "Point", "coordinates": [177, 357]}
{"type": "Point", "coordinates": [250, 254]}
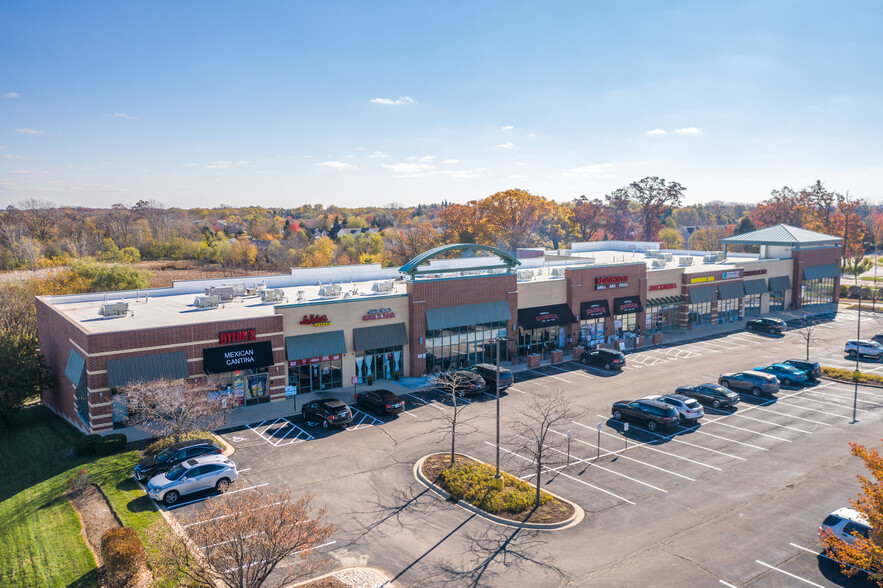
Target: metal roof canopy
{"type": "Point", "coordinates": [782, 235]}
{"type": "Point", "coordinates": [410, 268]}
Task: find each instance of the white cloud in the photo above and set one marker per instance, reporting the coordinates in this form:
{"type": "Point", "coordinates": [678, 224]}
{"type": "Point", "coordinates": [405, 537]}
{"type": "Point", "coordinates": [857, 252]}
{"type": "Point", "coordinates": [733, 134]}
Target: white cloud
{"type": "Point", "coordinates": [409, 169]}
{"type": "Point", "coordinates": [227, 164]}
{"type": "Point", "coordinates": [451, 161]}
{"type": "Point", "coordinates": [507, 128]}
{"type": "Point", "coordinates": [396, 102]}
{"type": "Point", "coordinates": [19, 171]}
{"type": "Point", "coordinates": [192, 165]}
{"type": "Point", "coordinates": [12, 95]}
{"type": "Point", "coordinates": [688, 131]}
{"type": "Point", "coordinates": [124, 115]}
{"type": "Point", "coordinates": [379, 155]}
{"type": "Point", "coordinates": [11, 156]}
{"type": "Point", "coordinates": [519, 177]}
{"type": "Point", "coordinates": [423, 158]}
{"type": "Point", "coordinates": [587, 170]}
{"type": "Point", "coordinates": [335, 165]}
{"type": "Point", "coordinates": [520, 163]}
{"type": "Point", "coordinates": [462, 174]}
{"type": "Point", "coordinates": [29, 131]}
{"type": "Point", "coordinates": [507, 145]}
{"type": "Point", "coordinates": [656, 132]}
{"type": "Point", "coordinates": [350, 156]}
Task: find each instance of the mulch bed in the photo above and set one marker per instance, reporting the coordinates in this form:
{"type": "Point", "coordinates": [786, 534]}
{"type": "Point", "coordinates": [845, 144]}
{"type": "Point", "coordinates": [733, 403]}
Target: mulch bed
{"type": "Point", "coordinates": [96, 515]}
{"type": "Point", "coordinates": [554, 511]}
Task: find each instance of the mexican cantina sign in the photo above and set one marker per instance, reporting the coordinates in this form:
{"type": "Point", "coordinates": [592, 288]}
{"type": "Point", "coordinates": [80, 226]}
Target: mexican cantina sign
{"type": "Point", "coordinates": [230, 358]}
{"type": "Point", "coordinates": [609, 282]}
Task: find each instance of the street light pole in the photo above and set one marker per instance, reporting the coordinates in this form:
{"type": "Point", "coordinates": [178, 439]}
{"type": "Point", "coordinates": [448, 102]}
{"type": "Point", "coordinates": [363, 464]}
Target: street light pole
{"type": "Point", "coordinates": [498, 479]}
{"type": "Point", "coordinates": [858, 337]}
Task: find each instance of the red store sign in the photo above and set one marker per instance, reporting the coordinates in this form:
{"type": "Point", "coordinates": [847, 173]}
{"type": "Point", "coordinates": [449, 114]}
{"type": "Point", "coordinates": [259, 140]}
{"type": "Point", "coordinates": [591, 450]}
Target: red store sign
{"type": "Point", "coordinates": [663, 287]}
{"type": "Point", "coordinates": [378, 313]}
{"type": "Point", "coordinates": [237, 336]}
{"type": "Point", "coordinates": [754, 272]}
{"type": "Point", "coordinates": [608, 282]}
{"type": "Point", "coordinates": [311, 360]}
{"type": "Point", "coordinates": [317, 320]}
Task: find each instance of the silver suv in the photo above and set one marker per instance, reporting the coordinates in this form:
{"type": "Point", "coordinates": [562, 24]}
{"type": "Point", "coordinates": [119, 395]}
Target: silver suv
{"type": "Point", "coordinates": [755, 383]}
{"type": "Point", "coordinates": [843, 522]}
{"type": "Point", "coordinates": [863, 348]}
{"type": "Point", "coordinates": [193, 475]}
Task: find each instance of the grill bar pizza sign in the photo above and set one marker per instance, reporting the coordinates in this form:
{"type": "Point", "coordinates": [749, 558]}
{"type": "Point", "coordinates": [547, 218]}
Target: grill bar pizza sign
{"type": "Point", "coordinates": [609, 282]}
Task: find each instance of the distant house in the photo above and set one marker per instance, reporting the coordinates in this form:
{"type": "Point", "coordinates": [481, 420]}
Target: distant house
{"type": "Point", "coordinates": [356, 232]}
{"type": "Point", "coordinates": [688, 230]}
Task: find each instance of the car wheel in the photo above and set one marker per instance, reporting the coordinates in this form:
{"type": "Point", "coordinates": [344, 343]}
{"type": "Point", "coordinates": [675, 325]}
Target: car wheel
{"type": "Point", "coordinates": [582, 360]}
{"type": "Point", "coordinates": [850, 353]}
{"type": "Point", "coordinates": [755, 391]}
{"type": "Point", "coordinates": [725, 383]}
{"type": "Point", "coordinates": [787, 382]}
{"type": "Point", "coordinates": [222, 485]}
{"type": "Point", "coordinates": [772, 331]}
{"type": "Point", "coordinates": [617, 415]}
{"type": "Point", "coordinates": [716, 404]}
{"type": "Point", "coordinates": [607, 366]}
{"type": "Point", "coordinates": [652, 425]}
{"type": "Point", "coordinates": [171, 497]}
{"type": "Point", "coordinates": [324, 423]}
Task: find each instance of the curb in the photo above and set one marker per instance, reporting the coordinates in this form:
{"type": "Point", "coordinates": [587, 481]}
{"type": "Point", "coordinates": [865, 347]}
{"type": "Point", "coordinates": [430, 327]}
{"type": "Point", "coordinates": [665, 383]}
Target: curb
{"type": "Point", "coordinates": [867, 384]}
{"type": "Point", "coordinates": [389, 582]}
{"type": "Point", "coordinates": [578, 515]}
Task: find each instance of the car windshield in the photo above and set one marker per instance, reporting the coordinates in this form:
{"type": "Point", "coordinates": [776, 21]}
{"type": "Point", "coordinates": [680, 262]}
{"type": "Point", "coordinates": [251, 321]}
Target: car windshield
{"type": "Point", "coordinates": [176, 472]}
{"type": "Point", "coordinates": [692, 404]}
{"type": "Point", "coordinates": [165, 453]}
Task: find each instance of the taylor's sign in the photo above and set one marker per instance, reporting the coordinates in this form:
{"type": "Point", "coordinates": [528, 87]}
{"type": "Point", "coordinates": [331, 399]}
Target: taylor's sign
{"type": "Point", "coordinates": [378, 313]}
{"type": "Point", "coordinates": [317, 320]}
{"type": "Point", "coordinates": [608, 282]}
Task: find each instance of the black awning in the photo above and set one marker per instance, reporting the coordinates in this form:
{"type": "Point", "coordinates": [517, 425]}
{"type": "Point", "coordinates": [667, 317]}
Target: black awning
{"type": "Point", "coordinates": [146, 368]}
{"type": "Point", "coordinates": [816, 272]}
{"type": "Point", "coordinates": [545, 316]}
{"type": "Point", "coordinates": [780, 284]}
{"type": "Point", "coordinates": [702, 294]}
{"type": "Point", "coordinates": [230, 358]}
{"type": "Point", "coordinates": [467, 315]}
{"type": "Point", "coordinates": [594, 310]}
{"type": "Point", "coordinates": [380, 337]}
{"type": "Point", "coordinates": [314, 345]}
{"type": "Point", "coordinates": [728, 290]}
{"type": "Point", "coordinates": [755, 286]}
{"type": "Point", "coordinates": [627, 305]}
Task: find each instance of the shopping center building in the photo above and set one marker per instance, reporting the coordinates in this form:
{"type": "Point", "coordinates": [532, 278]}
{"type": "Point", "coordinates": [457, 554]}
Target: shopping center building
{"type": "Point", "coordinates": [319, 329]}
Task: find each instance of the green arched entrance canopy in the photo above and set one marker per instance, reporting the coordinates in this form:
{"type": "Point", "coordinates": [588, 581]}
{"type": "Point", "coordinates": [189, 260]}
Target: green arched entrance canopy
{"type": "Point", "coordinates": [507, 262]}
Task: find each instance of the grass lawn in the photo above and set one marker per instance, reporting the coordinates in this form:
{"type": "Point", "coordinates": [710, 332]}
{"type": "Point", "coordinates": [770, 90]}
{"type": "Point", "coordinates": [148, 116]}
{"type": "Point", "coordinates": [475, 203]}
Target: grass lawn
{"type": "Point", "coordinates": [40, 541]}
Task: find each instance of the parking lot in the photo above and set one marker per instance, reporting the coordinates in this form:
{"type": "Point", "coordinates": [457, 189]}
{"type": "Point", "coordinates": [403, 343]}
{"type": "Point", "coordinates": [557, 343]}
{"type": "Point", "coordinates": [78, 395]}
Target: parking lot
{"type": "Point", "coordinates": [735, 500]}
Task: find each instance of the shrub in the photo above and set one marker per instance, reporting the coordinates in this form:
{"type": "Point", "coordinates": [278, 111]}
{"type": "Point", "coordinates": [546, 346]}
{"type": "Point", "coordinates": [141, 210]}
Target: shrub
{"type": "Point", "coordinates": [110, 443]}
{"type": "Point", "coordinates": [852, 376]}
{"type": "Point", "coordinates": [161, 444]}
{"type": "Point", "coordinates": [472, 482]}
{"type": "Point", "coordinates": [86, 445]}
{"type": "Point", "coordinates": [78, 482]}
{"type": "Point", "coordinates": [123, 555]}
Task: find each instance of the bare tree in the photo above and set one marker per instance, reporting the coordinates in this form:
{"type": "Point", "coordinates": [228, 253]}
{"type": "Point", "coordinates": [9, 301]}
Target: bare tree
{"type": "Point", "coordinates": [534, 426]}
{"type": "Point", "coordinates": [172, 408]}
{"type": "Point", "coordinates": [808, 331]}
{"type": "Point", "coordinates": [239, 540]}
{"type": "Point", "coordinates": [452, 420]}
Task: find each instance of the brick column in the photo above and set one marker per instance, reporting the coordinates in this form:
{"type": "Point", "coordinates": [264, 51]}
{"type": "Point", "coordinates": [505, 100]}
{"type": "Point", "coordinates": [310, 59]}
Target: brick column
{"type": "Point", "coordinates": [714, 312]}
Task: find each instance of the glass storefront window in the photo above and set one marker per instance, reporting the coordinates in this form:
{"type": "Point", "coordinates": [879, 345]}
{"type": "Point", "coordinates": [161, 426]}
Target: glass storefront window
{"type": "Point", "coordinates": [819, 291]}
{"type": "Point", "coordinates": [752, 305]}
{"type": "Point", "coordinates": [591, 331]}
{"type": "Point", "coordinates": [383, 364]}
{"type": "Point", "coordinates": [663, 318]}
{"type": "Point", "coordinates": [625, 324]}
{"type": "Point", "coordinates": [728, 310]}
{"type": "Point", "coordinates": [462, 346]}
{"type": "Point", "coordinates": [319, 375]}
{"type": "Point", "coordinates": [246, 386]}
{"type": "Point", "coordinates": [777, 301]}
{"type": "Point", "coordinates": [700, 314]}
{"type": "Point", "coordinates": [542, 340]}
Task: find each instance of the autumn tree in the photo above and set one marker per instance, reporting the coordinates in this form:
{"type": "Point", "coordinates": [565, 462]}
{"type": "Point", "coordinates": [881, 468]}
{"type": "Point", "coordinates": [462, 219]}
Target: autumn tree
{"type": "Point", "coordinates": [589, 216]}
{"type": "Point", "coordinates": [654, 198]}
{"type": "Point", "coordinates": [707, 239]}
{"type": "Point", "coordinates": [240, 540]}
{"type": "Point", "coordinates": [463, 223]}
{"type": "Point", "coordinates": [785, 206]}
{"type": "Point", "coordinates": [620, 223]}
{"type": "Point", "coordinates": [171, 408]}
{"type": "Point", "coordinates": [866, 553]}
{"type": "Point", "coordinates": [402, 245]}
{"type": "Point", "coordinates": [671, 238]}
{"type": "Point", "coordinates": [513, 218]}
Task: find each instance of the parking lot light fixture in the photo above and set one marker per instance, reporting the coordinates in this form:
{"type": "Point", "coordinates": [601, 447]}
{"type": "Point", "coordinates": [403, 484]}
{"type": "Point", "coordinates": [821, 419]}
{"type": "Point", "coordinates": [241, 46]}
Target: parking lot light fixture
{"type": "Point", "coordinates": [497, 482]}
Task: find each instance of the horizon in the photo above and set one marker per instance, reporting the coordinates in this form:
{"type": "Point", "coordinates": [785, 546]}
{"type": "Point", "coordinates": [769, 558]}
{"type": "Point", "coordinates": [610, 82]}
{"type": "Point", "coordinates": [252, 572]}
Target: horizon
{"type": "Point", "coordinates": [344, 103]}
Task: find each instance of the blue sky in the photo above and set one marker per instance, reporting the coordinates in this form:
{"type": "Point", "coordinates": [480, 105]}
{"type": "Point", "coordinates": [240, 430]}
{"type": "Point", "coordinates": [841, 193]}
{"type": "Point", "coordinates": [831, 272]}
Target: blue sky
{"type": "Point", "coordinates": [357, 103]}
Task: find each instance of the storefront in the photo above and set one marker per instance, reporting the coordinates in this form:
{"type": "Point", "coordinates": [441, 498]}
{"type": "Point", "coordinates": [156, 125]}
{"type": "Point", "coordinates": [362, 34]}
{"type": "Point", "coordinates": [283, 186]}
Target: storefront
{"type": "Point", "coordinates": [379, 352]}
{"type": "Point", "coordinates": [729, 307]}
{"type": "Point", "coordinates": [240, 371]}
{"type": "Point", "coordinates": [779, 288]}
{"type": "Point", "coordinates": [315, 362]}
{"type": "Point", "coordinates": [166, 366]}
{"type": "Point", "coordinates": [700, 308]}
{"type": "Point", "coordinates": [625, 317]}
{"type": "Point", "coordinates": [542, 329]}
{"type": "Point", "coordinates": [592, 317]}
{"type": "Point", "coordinates": [663, 314]}
{"type": "Point", "coordinates": [458, 336]}
{"type": "Point", "coordinates": [818, 284]}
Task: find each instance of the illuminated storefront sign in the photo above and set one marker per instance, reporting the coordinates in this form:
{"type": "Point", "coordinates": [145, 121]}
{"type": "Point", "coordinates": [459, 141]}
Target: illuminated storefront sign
{"type": "Point", "coordinates": [316, 320]}
{"type": "Point", "coordinates": [671, 286]}
{"type": "Point", "coordinates": [237, 336]}
{"type": "Point", "coordinates": [608, 282]}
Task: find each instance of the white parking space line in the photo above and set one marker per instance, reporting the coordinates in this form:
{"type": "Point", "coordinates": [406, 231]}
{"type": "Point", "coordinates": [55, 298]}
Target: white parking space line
{"type": "Point", "coordinates": [727, 584]}
{"type": "Point", "coordinates": [532, 381]}
{"type": "Point", "coordinates": [371, 420]}
{"type": "Point", "coordinates": [676, 440]}
{"type": "Point", "coordinates": [514, 389]}
{"type": "Point", "coordinates": [822, 554]}
{"type": "Point", "coordinates": [424, 402]}
{"type": "Point", "coordinates": [606, 453]}
{"type": "Point", "coordinates": [636, 444]}
{"type": "Point", "coordinates": [793, 416]}
{"type": "Point", "coordinates": [825, 402]}
{"type": "Point", "coordinates": [742, 416]}
{"type": "Point", "coordinates": [700, 431]}
{"type": "Point", "coordinates": [752, 431]}
{"type": "Point", "coordinates": [245, 470]}
{"type": "Point", "coordinates": [839, 387]}
{"type": "Point", "coordinates": [845, 398]}
{"type": "Point", "coordinates": [273, 440]}
{"type": "Point", "coordinates": [819, 410]}
{"type": "Point", "coordinates": [550, 376]}
{"type": "Point", "coordinates": [789, 574]}
{"type": "Point", "coordinates": [574, 372]}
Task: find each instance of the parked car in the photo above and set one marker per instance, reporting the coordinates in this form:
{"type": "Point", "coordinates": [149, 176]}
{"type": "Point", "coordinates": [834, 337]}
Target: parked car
{"type": "Point", "coordinates": [688, 409]}
{"type": "Point", "coordinates": [193, 475]}
{"type": "Point", "coordinates": [327, 411]}
{"type": "Point", "coordinates": [173, 455]}
{"type": "Point", "coordinates": [756, 383]}
{"type": "Point", "coordinates": [768, 325]}
{"type": "Point", "coordinates": [489, 373]}
{"type": "Point", "coordinates": [654, 413]}
{"type": "Point", "coordinates": [788, 375]}
{"type": "Point", "coordinates": [843, 522]}
{"type": "Point", "coordinates": [870, 349]}
{"type": "Point", "coordinates": [713, 394]}
{"type": "Point", "coordinates": [382, 401]}
{"type": "Point", "coordinates": [878, 338]}
{"type": "Point", "coordinates": [605, 358]}
{"type": "Point", "coordinates": [812, 368]}
{"type": "Point", "coordinates": [465, 383]}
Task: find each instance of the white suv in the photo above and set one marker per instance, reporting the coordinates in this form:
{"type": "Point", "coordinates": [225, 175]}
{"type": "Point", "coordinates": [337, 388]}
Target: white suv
{"type": "Point", "coordinates": [843, 522]}
{"type": "Point", "coordinates": [864, 348]}
{"type": "Point", "coordinates": [192, 475]}
{"type": "Point", "coordinates": [688, 409]}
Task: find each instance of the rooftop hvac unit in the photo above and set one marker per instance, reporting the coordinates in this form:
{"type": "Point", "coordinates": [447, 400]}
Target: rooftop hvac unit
{"type": "Point", "coordinates": [385, 286]}
{"type": "Point", "coordinates": [685, 261]}
{"type": "Point", "coordinates": [525, 275]}
{"type": "Point", "coordinates": [212, 301]}
{"type": "Point", "coordinates": [114, 309]}
{"type": "Point", "coordinates": [300, 296]}
{"type": "Point", "coordinates": [720, 255]}
{"type": "Point", "coordinates": [558, 271]}
{"type": "Point", "coordinates": [274, 295]}
{"type": "Point", "coordinates": [667, 257]}
{"type": "Point", "coordinates": [224, 293]}
{"type": "Point", "coordinates": [238, 289]}
{"type": "Point", "coordinates": [332, 290]}
{"type": "Point", "coordinates": [658, 263]}
{"type": "Point", "coordinates": [651, 253]}
{"type": "Point", "coordinates": [711, 258]}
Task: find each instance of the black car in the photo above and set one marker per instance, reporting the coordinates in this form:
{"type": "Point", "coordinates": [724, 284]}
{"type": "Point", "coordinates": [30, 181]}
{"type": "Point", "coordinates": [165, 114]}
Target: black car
{"type": "Point", "coordinates": [489, 373]}
{"type": "Point", "coordinates": [711, 394]}
{"type": "Point", "coordinates": [382, 401]}
{"type": "Point", "coordinates": [465, 383]}
{"type": "Point", "coordinates": [327, 411]}
{"type": "Point", "coordinates": [767, 325]}
{"type": "Point", "coordinates": [172, 456]}
{"type": "Point", "coordinates": [812, 368]}
{"type": "Point", "coordinates": [653, 412]}
{"type": "Point", "coordinates": [605, 358]}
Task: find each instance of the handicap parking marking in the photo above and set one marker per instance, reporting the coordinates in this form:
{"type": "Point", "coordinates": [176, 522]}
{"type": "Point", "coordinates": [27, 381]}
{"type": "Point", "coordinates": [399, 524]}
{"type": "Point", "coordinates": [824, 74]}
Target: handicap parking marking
{"type": "Point", "coordinates": [281, 435]}
{"type": "Point", "coordinates": [366, 420]}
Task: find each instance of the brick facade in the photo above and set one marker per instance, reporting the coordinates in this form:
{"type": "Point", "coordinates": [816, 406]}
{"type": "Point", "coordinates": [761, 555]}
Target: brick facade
{"type": "Point", "coordinates": [804, 258]}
